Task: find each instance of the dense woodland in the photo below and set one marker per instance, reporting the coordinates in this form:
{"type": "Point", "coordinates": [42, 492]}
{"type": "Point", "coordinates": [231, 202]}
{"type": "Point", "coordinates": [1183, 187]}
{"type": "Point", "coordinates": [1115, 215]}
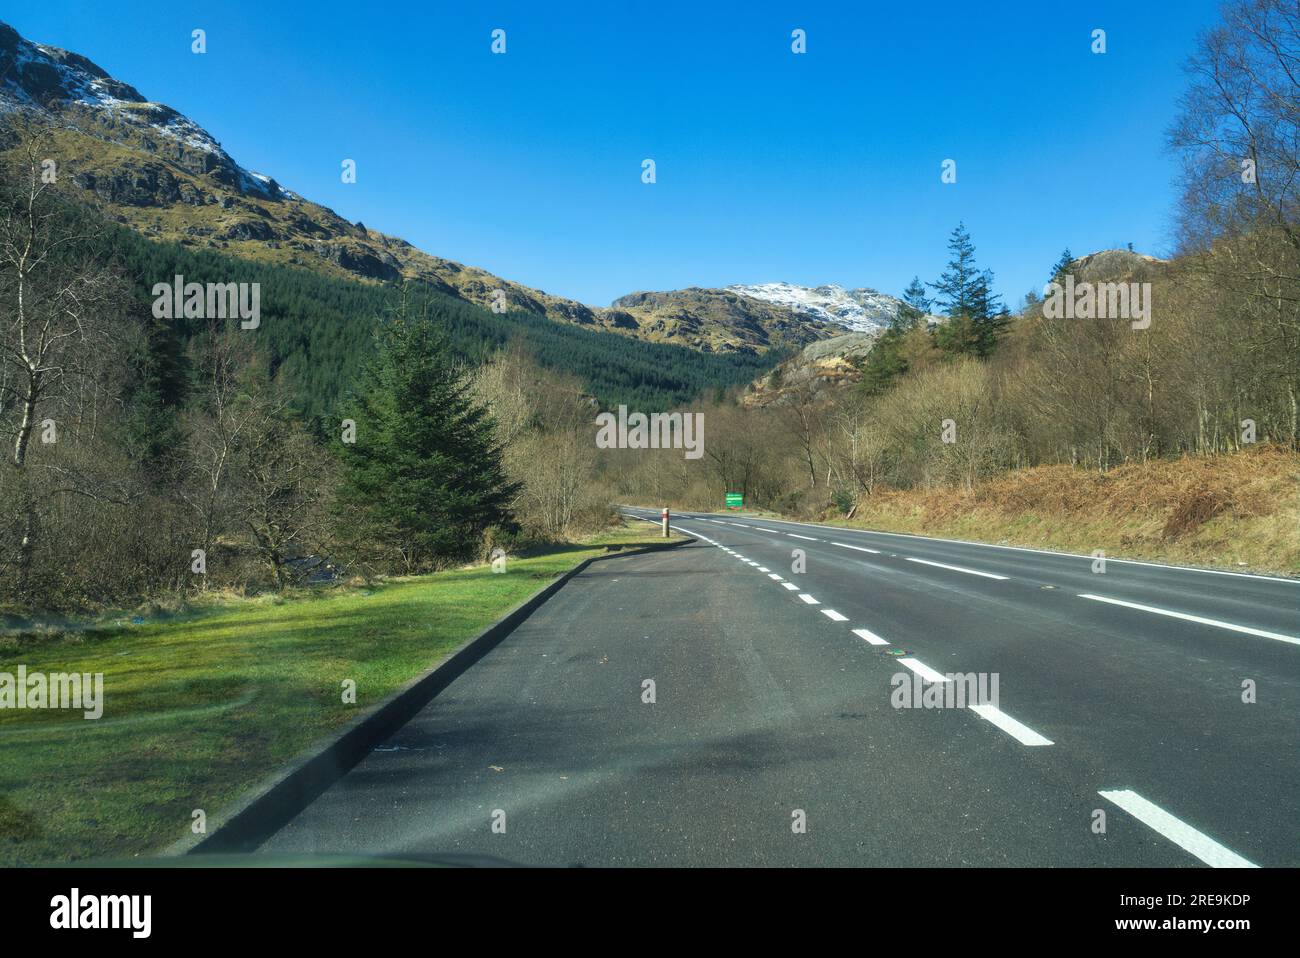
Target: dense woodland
{"type": "Point", "coordinates": [136, 446]}
{"type": "Point", "coordinates": [133, 441]}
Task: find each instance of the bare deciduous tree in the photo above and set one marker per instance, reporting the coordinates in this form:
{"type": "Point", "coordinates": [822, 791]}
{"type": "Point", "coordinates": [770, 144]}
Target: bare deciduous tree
{"type": "Point", "coordinates": [57, 299]}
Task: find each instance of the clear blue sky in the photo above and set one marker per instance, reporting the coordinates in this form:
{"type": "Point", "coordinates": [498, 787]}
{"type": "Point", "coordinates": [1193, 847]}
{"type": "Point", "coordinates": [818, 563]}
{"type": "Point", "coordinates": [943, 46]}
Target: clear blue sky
{"type": "Point", "coordinates": [820, 168]}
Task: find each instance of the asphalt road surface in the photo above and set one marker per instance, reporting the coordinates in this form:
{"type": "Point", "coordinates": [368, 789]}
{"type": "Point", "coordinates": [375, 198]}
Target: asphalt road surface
{"type": "Point", "coordinates": [1120, 734]}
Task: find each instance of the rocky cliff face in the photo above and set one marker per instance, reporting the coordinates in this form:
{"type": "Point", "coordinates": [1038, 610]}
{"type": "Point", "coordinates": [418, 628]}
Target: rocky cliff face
{"type": "Point", "coordinates": [817, 370]}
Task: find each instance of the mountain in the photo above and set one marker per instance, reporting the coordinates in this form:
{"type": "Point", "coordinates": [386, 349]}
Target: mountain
{"type": "Point", "coordinates": [814, 371]}
{"type": "Point", "coordinates": [857, 310]}
{"type": "Point", "coordinates": [716, 319]}
{"type": "Point", "coordinates": [745, 318]}
{"type": "Point", "coordinates": [150, 167]}
{"type": "Point", "coordinates": [162, 174]}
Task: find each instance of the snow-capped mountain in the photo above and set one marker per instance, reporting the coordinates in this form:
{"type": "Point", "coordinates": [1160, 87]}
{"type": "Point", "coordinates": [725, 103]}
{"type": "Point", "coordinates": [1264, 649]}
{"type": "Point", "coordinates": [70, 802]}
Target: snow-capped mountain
{"type": "Point", "coordinates": [859, 310]}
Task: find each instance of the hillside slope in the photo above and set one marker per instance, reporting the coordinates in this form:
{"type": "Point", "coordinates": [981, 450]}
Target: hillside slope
{"type": "Point", "coordinates": [162, 174]}
{"type": "Point", "coordinates": [317, 331]}
{"type": "Point", "coordinates": [1237, 512]}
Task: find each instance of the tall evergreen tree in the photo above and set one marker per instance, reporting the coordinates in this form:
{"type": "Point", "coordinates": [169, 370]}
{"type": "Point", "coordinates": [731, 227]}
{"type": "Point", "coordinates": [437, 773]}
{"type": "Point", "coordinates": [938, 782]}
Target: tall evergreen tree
{"type": "Point", "coordinates": [965, 293]}
{"type": "Point", "coordinates": [958, 285]}
{"type": "Point", "coordinates": [990, 317]}
{"type": "Point", "coordinates": [1062, 264]}
{"type": "Point", "coordinates": [424, 474]}
{"type": "Point", "coordinates": [153, 391]}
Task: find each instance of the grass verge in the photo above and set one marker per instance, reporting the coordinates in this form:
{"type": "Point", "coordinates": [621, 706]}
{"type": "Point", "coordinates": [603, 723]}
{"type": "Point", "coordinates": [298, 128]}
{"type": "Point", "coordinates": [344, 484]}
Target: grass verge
{"type": "Point", "coordinates": [197, 711]}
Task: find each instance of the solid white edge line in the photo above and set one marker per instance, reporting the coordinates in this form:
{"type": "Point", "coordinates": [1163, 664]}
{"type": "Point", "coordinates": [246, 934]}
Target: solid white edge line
{"type": "Point", "coordinates": [869, 636]}
{"type": "Point", "coordinates": [1177, 831]}
{"type": "Point", "coordinates": [834, 616]}
{"type": "Point", "coordinates": [1017, 730]}
{"type": "Point", "coordinates": [1187, 616]}
{"type": "Point", "coordinates": [955, 568]}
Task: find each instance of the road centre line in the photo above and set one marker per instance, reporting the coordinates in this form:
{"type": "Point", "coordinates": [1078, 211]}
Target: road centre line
{"type": "Point", "coordinates": [1017, 730]}
{"type": "Point", "coordinates": [1177, 831]}
{"type": "Point", "coordinates": [956, 568]}
{"type": "Point", "coordinates": [869, 636]}
{"type": "Point", "coordinates": [845, 545]}
{"type": "Point", "coordinates": [923, 670]}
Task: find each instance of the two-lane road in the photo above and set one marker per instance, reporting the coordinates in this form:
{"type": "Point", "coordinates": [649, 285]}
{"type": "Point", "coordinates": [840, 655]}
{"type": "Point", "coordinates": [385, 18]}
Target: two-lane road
{"type": "Point", "coordinates": [695, 706]}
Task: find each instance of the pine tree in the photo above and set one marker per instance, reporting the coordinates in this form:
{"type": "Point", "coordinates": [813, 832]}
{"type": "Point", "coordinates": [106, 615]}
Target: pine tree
{"type": "Point", "coordinates": [916, 305]}
{"type": "Point", "coordinates": [1062, 265]}
{"type": "Point", "coordinates": [424, 474]}
{"type": "Point", "coordinates": [989, 316]}
{"type": "Point", "coordinates": [152, 393]}
{"type": "Point", "coordinates": [884, 363]}
{"type": "Point", "coordinates": [958, 285]}
{"type": "Point", "coordinates": [965, 293]}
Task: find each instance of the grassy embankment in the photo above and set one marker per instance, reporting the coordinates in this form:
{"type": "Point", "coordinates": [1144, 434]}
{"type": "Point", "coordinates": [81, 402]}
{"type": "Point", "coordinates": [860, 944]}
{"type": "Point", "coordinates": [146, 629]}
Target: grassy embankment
{"type": "Point", "coordinates": [199, 709]}
{"type": "Point", "coordinates": [1237, 512]}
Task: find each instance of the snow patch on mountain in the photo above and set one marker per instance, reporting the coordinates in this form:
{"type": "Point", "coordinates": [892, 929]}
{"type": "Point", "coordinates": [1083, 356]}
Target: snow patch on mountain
{"type": "Point", "coordinates": [36, 75]}
{"type": "Point", "coordinates": [861, 310]}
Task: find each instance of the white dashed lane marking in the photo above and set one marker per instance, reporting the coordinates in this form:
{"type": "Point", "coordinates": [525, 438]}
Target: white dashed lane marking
{"type": "Point", "coordinates": [845, 545]}
{"type": "Point", "coordinates": [1020, 732]}
{"type": "Point", "coordinates": [869, 636]}
{"type": "Point", "coordinates": [1177, 831]}
{"type": "Point", "coordinates": [1187, 617]}
{"type": "Point", "coordinates": [956, 568]}
{"type": "Point", "coordinates": [1016, 729]}
{"type": "Point", "coordinates": [923, 670]}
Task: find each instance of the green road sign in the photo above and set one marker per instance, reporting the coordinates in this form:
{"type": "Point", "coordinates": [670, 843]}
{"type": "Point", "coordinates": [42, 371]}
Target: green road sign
{"type": "Point", "coordinates": [735, 500]}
